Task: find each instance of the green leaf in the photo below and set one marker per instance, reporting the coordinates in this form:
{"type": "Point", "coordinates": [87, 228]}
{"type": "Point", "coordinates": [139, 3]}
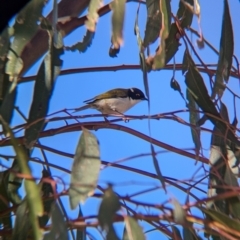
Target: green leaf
{"type": "Point", "coordinates": [134, 231]}
{"type": "Point", "coordinates": [47, 195]}
{"type": "Point", "coordinates": [32, 190]}
{"type": "Point", "coordinates": [81, 233]}
{"type": "Point", "coordinates": [157, 168]}
{"type": "Point", "coordinates": [85, 168]}
{"type": "Point", "coordinates": [159, 58]}
{"type": "Point", "coordinates": [184, 14]}
{"type": "Point", "coordinates": [59, 227]}
{"type": "Point", "coordinates": [25, 28]}
{"type": "Point", "coordinates": [194, 117]}
{"type": "Point", "coordinates": [118, 8]}
{"type": "Point", "coordinates": [108, 208]}
{"type": "Point", "coordinates": [142, 58]}
{"type": "Point", "coordinates": [172, 43]}
{"type": "Point", "coordinates": [225, 54]}
{"type": "Point", "coordinates": [197, 88]}
{"type": "Point", "coordinates": [5, 219]}
{"type": "Point", "coordinates": [82, 46]}
{"type": "Point", "coordinates": [7, 106]}
{"type": "Point", "coordinates": [44, 84]}
{"type": "Point", "coordinates": [222, 218]}
{"type": "Point", "coordinates": [176, 233]}
{"type": "Point", "coordinates": [92, 16]}
{"type": "Point", "coordinates": [153, 25]}
{"type": "Point", "coordinates": [179, 213]}
{"type": "Point", "coordinates": [22, 223]}
{"type": "Point", "coordinates": [14, 183]}
{"type": "Point", "coordinates": [4, 78]}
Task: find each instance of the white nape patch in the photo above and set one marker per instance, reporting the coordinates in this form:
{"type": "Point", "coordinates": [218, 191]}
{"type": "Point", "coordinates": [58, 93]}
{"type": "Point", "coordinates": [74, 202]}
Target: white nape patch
{"type": "Point", "coordinates": [211, 192]}
{"type": "Point", "coordinates": [131, 89]}
{"type": "Point", "coordinates": [115, 105]}
{"type": "Point", "coordinates": [232, 161]}
{"type": "Point", "coordinates": [215, 154]}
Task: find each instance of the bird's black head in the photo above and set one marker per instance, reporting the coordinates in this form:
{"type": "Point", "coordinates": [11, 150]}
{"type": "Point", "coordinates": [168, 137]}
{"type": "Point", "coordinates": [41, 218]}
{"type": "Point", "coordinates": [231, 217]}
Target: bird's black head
{"type": "Point", "coordinates": [136, 94]}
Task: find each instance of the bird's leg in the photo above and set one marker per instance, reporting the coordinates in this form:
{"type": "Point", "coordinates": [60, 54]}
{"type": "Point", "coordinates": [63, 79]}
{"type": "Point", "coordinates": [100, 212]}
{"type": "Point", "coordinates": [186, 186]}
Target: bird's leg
{"type": "Point", "coordinates": [125, 119]}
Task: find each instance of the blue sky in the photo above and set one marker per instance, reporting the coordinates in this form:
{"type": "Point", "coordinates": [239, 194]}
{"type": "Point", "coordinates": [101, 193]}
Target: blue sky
{"type": "Point", "coordinates": [71, 90]}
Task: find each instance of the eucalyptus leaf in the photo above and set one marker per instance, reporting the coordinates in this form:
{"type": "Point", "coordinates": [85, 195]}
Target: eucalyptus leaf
{"type": "Point", "coordinates": [172, 42]}
{"type": "Point", "coordinates": [184, 14]}
{"type": "Point", "coordinates": [225, 54]}
{"type": "Point", "coordinates": [59, 227]}
{"type": "Point", "coordinates": [194, 118]}
{"type": "Point", "coordinates": [92, 16]}
{"type": "Point", "coordinates": [81, 233]}
{"type": "Point", "coordinates": [179, 213]}
{"type": "Point", "coordinates": [196, 86]}
{"type": "Point", "coordinates": [32, 191]}
{"type": "Point", "coordinates": [222, 218]}
{"type": "Point", "coordinates": [44, 84]}
{"type": "Point", "coordinates": [85, 168]}
{"type": "Point", "coordinates": [25, 28]}
{"type": "Point", "coordinates": [109, 206]}
{"type": "Point", "coordinates": [47, 196]}
{"type": "Point", "coordinates": [133, 230]}
{"type": "Point", "coordinates": [82, 46]}
{"type": "Point", "coordinates": [142, 58]}
{"type": "Point", "coordinates": [160, 57]}
{"type": "Point", "coordinates": [118, 9]}
{"type": "Point", "coordinates": [154, 22]}
{"type": "Point", "coordinates": [157, 168]}
{"type": "Point", "coordinates": [22, 222]}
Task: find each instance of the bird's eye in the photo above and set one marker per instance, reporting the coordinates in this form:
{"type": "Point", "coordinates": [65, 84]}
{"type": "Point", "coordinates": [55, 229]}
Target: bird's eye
{"type": "Point", "coordinates": [137, 94]}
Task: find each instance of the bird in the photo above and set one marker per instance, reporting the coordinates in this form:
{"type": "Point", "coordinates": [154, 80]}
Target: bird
{"type": "Point", "coordinates": [115, 102]}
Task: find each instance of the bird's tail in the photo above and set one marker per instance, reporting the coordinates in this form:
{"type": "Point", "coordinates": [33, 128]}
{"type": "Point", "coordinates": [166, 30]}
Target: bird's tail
{"type": "Point", "coordinates": [82, 108]}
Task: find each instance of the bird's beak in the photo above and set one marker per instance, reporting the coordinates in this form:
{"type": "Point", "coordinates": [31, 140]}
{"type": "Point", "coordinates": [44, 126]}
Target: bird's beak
{"type": "Point", "coordinates": [145, 99]}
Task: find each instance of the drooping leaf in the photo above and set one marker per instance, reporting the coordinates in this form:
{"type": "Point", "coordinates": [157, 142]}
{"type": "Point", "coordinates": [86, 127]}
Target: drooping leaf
{"type": "Point", "coordinates": [133, 230]}
{"type": "Point", "coordinates": [109, 206]}
{"type": "Point", "coordinates": [32, 191]}
{"type": "Point", "coordinates": [113, 52]}
{"type": "Point", "coordinates": [24, 29]}
{"type": "Point", "coordinates": [118, 9]}
{"type": "Point", "coordinates": [199, 92]}
{"type": "Point", "coordinates": [7, 106]}
{"type": "Point", "coordinates": [172, 43]}
{"type": "Point", "coordinates": [81, 233]}
{"type": "Point", "coordinates": [225, 54]}
{"type": "Point", "coordinates": [154, 24]}
{"type": "Point", "coordinates": [179, 213]}
{"type": "Point", "coordinates": [184, 14]}
{"type": "Point", "coordinates": [22, 223]}
{"type": "Point", "coordinates": [160, 57]}
{"type": "Point", "coordinates": [142, 58]}
{"type": "Point", "coordinates": [92, 16]}
{"type": "Point", "coordinates": [14, 183]}
{"type": "Point", "coordinates": [44, 84]}
{"type": "Point", "coordinates": [222, 218]}
{"type": "Point", "coordinates": [59, 227]}
{"type": "Point", "coordinates": [176, 233]}
{"type": "Point", "coordinates": [4, 78]}
{"type": "Point", "coordinates": [82, 46]}
{"type": "Point", "coordinates": [5, 219]}
{"type": "Point", "coordinates": [194, 118]}
{"type": "Point", "coordinates": [157, 168]}
{"type": "Point", "coordinates": [7, 97]}
{"type": "Point", "coordinates": [176, 87]}
{"type": "Point", "coordinates": [47, 196]}
{"type": "Point", "coordinates": [85, 169]}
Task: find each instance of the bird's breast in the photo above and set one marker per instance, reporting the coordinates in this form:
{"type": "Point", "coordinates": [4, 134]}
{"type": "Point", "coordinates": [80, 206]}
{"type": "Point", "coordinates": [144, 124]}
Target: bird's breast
{"type": "Point", "coordinates": [115, 105]}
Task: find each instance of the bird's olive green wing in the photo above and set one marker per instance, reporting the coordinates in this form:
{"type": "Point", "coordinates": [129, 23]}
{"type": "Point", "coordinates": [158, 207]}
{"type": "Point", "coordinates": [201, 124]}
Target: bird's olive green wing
{"type": "Point", "coordinates": [114, 93]}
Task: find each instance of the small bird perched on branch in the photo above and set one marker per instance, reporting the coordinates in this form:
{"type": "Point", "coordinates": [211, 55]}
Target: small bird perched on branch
{"type": "Point", "coordinates": [115, 101]}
